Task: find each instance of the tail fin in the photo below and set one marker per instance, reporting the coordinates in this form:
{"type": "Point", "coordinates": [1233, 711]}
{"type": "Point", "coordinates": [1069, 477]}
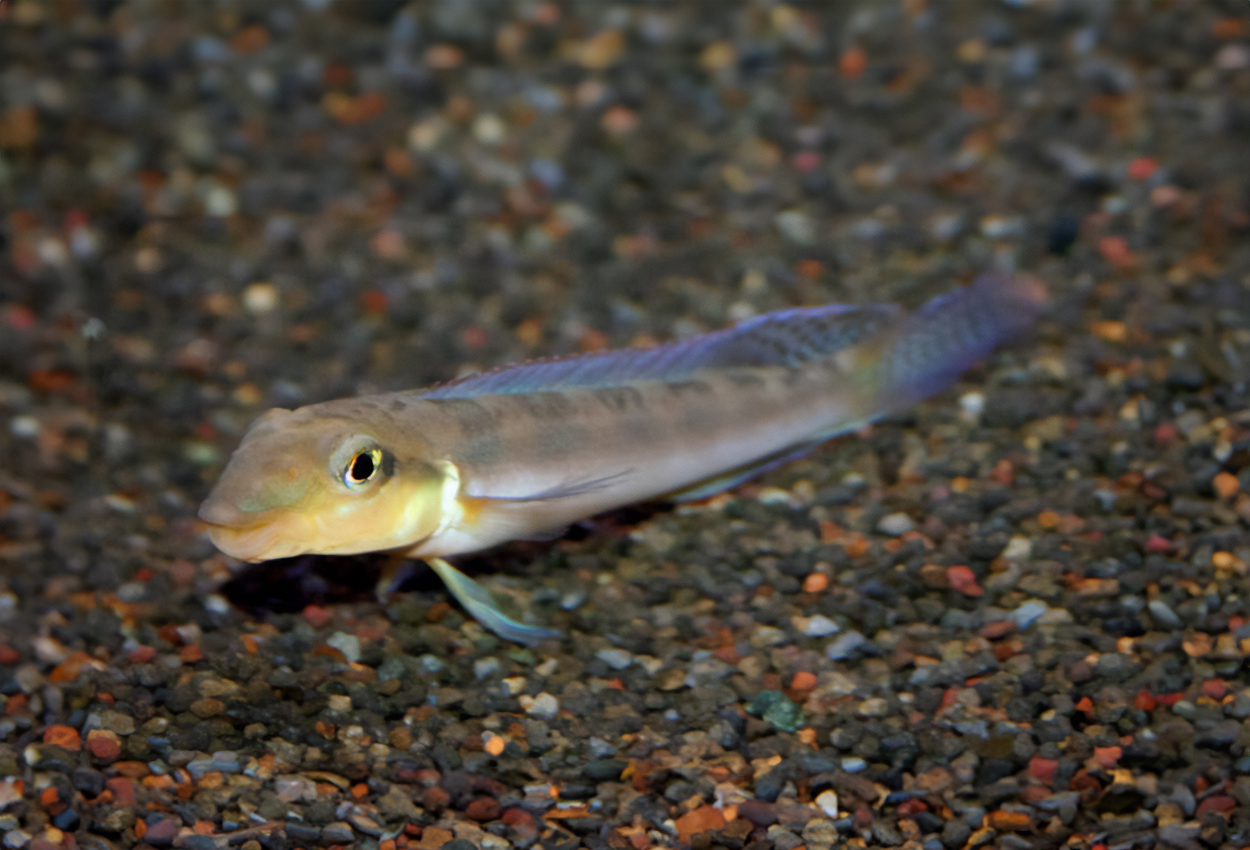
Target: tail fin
{"type": "Point", "coordinates": [946, 336]}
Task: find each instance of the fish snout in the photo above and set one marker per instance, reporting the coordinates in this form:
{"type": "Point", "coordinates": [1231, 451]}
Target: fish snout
{"type": "Point", "coordinates": [219, 510]}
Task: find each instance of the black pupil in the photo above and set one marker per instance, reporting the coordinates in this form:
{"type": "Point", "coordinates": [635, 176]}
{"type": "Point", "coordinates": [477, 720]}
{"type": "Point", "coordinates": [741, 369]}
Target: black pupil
{"type": "Point", "coordinates": [362, 467]}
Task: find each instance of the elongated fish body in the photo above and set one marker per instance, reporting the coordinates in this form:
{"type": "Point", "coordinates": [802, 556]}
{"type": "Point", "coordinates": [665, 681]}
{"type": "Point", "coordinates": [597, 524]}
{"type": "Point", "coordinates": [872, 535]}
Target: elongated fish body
{"type": "Point", "coordinates": [523, 451]}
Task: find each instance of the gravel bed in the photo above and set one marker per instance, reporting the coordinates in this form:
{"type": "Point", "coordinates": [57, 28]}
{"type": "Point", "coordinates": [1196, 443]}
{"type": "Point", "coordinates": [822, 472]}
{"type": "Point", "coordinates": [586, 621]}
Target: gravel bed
{"type": "Point", "coordinates": [1014, 617]}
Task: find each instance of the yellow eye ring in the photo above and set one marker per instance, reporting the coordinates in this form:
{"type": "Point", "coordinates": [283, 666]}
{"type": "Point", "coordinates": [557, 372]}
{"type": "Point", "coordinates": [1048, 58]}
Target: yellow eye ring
{"type": "Point", "coordinates": [362, 468]}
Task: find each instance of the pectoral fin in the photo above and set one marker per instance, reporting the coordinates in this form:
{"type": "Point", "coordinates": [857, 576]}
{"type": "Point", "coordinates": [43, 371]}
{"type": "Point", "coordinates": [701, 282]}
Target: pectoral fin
{"type": "Point", "coordinates": [483, 608]}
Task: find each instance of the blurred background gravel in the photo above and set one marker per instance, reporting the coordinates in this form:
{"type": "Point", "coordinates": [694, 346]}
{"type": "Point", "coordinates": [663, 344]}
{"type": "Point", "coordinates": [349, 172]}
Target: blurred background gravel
{"type": "Point", "coordinates": [1015, 618]}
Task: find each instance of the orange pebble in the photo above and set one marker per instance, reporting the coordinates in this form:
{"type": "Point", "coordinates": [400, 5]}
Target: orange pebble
{"type": "Point", "coordinates": [853, 63]}
{"type": "Point", "coordinates": [62, 736]}
{"type": "Point", "coordinates": [803, 681]}
{"type": "Point", "coordinates": [815, 582]}
{"type": "Point", "coordinates": [1226, 485]}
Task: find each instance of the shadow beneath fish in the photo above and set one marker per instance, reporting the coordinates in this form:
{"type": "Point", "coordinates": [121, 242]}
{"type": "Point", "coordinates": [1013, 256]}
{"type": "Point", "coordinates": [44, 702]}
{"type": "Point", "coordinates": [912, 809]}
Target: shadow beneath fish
{"type": "Point", "coordinates": [288, 585]}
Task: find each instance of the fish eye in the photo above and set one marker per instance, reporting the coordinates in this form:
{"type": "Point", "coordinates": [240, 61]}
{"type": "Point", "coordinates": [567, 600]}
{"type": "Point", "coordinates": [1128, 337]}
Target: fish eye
{"type": "Point", "coordinates": [362, 468]}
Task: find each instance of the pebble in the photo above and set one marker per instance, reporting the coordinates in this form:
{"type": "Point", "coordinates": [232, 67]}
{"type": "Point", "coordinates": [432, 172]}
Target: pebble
{"type": "Point", "coordinates": [845, 645]}
{"type": "Point", "coordinates": [484, 668]}
{"type": "Point", "coordinates": [338, 832]}
{"type": "Point", "coordinates": [1028, 613]}
{"type": "Point", "coordinates": [348, 644]}
{"type": "Point", "coordinates": [896, 524]}
{"type": "Point", "coordinates": [617, 659]}
{"type": "Point", "coordinates": [543, 706]}
{"type": "Point", "coordinates": [1164, 615]}
{"type": "Point", "coordinates": [260, 298]}
{"type": "Point", "coordinates": [819, 626]}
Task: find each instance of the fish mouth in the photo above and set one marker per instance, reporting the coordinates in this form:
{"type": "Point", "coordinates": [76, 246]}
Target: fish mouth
{"type": "Point", "coordinates": [252, 536]}
{"type": "Point", "coordinates": [254, 543]}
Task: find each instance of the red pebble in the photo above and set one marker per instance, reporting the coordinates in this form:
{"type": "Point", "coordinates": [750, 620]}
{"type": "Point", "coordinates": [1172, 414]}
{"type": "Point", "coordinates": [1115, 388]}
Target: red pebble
{"type": "Point", "coordinates": [317, 615]}
{"type": "Point", "coordinates": [482, 809]}
{"type": "Point", "coordinates": [516, 817]}
{"type": "Point", "coordinates": [964, 580]}
{"type": "Point", "coordinates": [435, 798]}
{"type": "Point", "coordinates": [806, 161]}
{"type": "Point", "coordinates": [142, 654]}
{"type": "Point", "coordinates": [1165, 433]}
{"type": "Point", "coordinates": [1142, 167]}
{"type": "Point", "coordinates": [1157, 544]}
{"type": "Point", "coordinates": [123, 790]}
{"type": "Point", "coordinates": [1043, 770]}
{"type": "Point", "coordinates": [1115, 250]}
{"type": "Point", "coordinates": [21, 318]}
{"type": "Point", "coordinates": [1107, 757]}
{"type": "Point", "coordinates": [1215, 688]}
{"type": "Point", "coordinates": [1216, 803]}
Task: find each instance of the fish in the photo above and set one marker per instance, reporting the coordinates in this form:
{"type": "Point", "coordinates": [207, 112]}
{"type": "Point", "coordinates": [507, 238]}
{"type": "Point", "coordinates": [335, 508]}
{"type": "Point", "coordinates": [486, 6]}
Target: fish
{"type": "Point", "coordinates": [523, 451]}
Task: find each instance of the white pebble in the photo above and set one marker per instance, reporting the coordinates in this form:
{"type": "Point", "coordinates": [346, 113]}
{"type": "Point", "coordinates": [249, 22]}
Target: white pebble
{"type": "Point", "coordinates": [820, 626]}
{"type": "Point", "coordinates": [260, 298]}
{"type": "Point", "coordinates": [489, 129]}
{"type": "Point", "coordinates": [896, 524]}
{"type": "Point", "coordinates": [544, 706]}
{"type": "Point", "coordinates": [484, 667]}
{"type": "Point", "coordinates": [617, 659]}
{"type": "Point", "coordinates": [348, 644]}
{"type": "Point", "coordinates": [828, 803]}
{"type": "Point", "coordinates": [1018, 548]}
{"type": "Point", "coordinates": [24, 427]}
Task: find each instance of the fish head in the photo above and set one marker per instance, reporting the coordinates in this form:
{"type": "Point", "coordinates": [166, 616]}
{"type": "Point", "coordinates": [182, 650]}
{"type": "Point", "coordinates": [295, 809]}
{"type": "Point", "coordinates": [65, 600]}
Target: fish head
{"type": "Point", "coordinates": [301, 483]}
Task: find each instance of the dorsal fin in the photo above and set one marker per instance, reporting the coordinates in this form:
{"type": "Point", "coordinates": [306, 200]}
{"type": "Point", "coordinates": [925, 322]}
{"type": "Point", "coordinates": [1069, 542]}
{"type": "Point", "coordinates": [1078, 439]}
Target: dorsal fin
{"type": "Point", "coordinates": [785, 338]}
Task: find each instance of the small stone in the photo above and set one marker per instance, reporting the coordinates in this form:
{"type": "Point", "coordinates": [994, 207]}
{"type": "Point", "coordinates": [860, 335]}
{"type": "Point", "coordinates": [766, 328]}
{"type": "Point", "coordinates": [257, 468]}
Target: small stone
{"type": "Point", "coordinates": [338, 832]}
{"type": "Point", "coordinates": [206, 708]}
{"type": "Point", "coordinates": [873, 707]}
{"type": "Point", "coordinates": [105, 746]}
{"type": "Point", "coordinates": [346, 643]}
{"type": "Point", "coordinates": [828, 803]}
{"type": "Point", "coordinates": [820, 626]}
{"type": "Point", "coordinates": [1028, 613]}
{"type": "Point", "coordinates": [702, 819]}
{"type": "Point", "coordinates": [163, 832]}
{"type": "Point", "coordinates": [820, 833]}
{"type": "Point", "coordinates": [485, 667]}
{"type": "Point", "coordinates": [489, 129]}
{"type": "Point", "coordinates": [845, 646]}
{"type": "Point", "coordinates": [1164, 615]}
{"type": "Point", "coordinates": [776, 708]}
{"type": "Point", "coordinates": [17, 838]}
{"type": "Point", "coordinates": [796, 226]}
{"type": "Point", "coordinates": [544, 706]}
{"type": "Point", "coordinates": [483, 809]}
{"type": "Point", "coordinates": [117, 722]}
{"type": "Point", "coordinates": [260, 298]}
{"type": "Point", "coordinates": [617, 659]}
{"type": "Point", "coordinates": [896, 524]}
{"type": "Point", "coordinates": [295, 789]}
